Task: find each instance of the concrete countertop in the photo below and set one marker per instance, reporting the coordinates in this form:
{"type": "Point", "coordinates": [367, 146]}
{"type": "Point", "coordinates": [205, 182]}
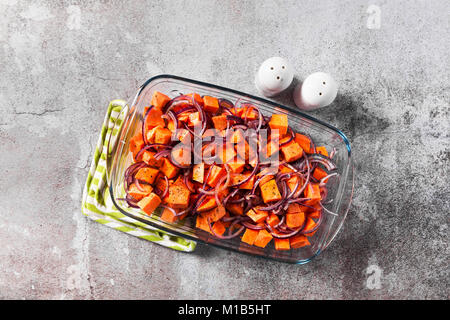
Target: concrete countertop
{"type": "Point", "coordinates": [63, 61]}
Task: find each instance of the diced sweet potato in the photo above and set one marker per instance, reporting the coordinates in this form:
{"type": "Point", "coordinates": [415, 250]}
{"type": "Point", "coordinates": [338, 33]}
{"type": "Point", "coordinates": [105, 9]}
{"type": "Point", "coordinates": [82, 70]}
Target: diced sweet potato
{"type": "Point", "coordinates": [220, 122]}
{"type": "Point", "coordinates": [295, 219]}
{"type": "Point", "coordinates": [273, 220]}
{"type": "Point", "coordinates": [322, 150]}
{"type": "Point", "coordinates": [202, 223]}
{"type": "Point", "coordinates": [147, 174]}
{"type": "Point", "coordinates": [168, 168]}
{"type": "Point", "coordinates": [194, 119]}
{"type": "Point", "coordinates": [238, 178]}
{"type": "Point", "coordinates": [207, 204]}
{"type": "Point", "coordinates": [137, 194]}
{"type": "Point", "coordinates": [154, 119]}
{"type": "Point", "coordinates": [279, 122]}
{"type": "Point", "coordinates": [235, 208]}
{"type": "Point", "coordinates": [159, 100]}
{"type": "Point", "coordinates": [312, 191]}
{"type": "Point", "coordinates": [149, 203]}
{"type": "Point", "coordinates": [249, 236]}
{"type": "Point", "coordinates": [237, 165]}
{"type": "Point", "coordinates": [304, 142]}
{"type": "Point", "coordinates": [215, 214]}
{"type": "Point", "coordinates": [299, 241]}
{"type": "Point", "coordinates": [178, 196]}
{"type": "Point", "coordinates": [211, 104]}
{"type": "Point", "coordinates": [291, 151]}
{"type": "Point", "coordinates": [198, 172]}
{"type": "Point", "coordinates": [228, 154]}
{"type": "Point", "coordinates": [197, 98]}
{"type": "Point", "coordinates": [263, 238]}
{"type": "Point", "coordinates": [163, 135]}
{"type": "Point", "coordinates": [136, 144]}
{"type": "Point", "coordinates": [257, 216]}
{"type": "Point", "coordinates": [319, 174]}
{"type": "Point", "coordinates": [270, 192]}
{"type": "Point", "coordinates": [216, 173]}
{"type": "Point", "coordinates": [169, 216]}
{"type": "Point", "coordinates": [282, 244]}
{"type": "Point", "coordinates": [149, 158]}
{"type": "Point", "coordinates": [309, 225]}
{"type": "Point", "coordinates": [219, 228]}
{"type": "Point", "coordinates": [184, 136]}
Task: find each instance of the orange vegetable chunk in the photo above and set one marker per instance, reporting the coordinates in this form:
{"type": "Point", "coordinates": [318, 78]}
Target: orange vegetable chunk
{"type": "Point", "coordinates": [216, 173]}
{"type": "Point", "coordinates": [299, 241]}
{"type": "Point", "coordinates": [159, 100]}
{"type": "Point", "coordinates": [270, 192]}
{"type": "Point", "coordinates": [147, 174]}
{"type": "Point", "coordinates": [168, 168]}
{"type": "Point", "coordinates": [279, 122]}
{"type": "Point", "coordinates": [211, 104]}
{"type": "Point", "coordinates": [282, 244]}
{"type": "Point", "coordinates": [263, 238]}
{"type": "Point", "coordinates": [292, 151]}
{"type": "Point", "coordinates": [178, 195]}
{"type": "Point", "coordinates": [220, 122]}
{"type": "Point", "coordinates": [249, 236]}
{"type": "Point", "coordinates": [295, 219]}
{"type": "Point", "coordinates": [257, 216]}
{"type": "Point", "coordinates": [137, 194]}
{"type": "Point", "coordinates": [149, 203]}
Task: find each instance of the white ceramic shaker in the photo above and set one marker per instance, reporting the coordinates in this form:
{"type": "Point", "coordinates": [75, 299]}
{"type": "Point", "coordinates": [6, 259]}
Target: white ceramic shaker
{"type": "Point", "coordinates": [318, 90]}
{"type": "Point", "coordinates": [273, 76]}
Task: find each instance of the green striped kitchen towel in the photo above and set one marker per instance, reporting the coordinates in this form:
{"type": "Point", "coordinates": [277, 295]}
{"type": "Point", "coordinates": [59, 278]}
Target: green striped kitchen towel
{"type": "Point", "coordinates": [97, 203]}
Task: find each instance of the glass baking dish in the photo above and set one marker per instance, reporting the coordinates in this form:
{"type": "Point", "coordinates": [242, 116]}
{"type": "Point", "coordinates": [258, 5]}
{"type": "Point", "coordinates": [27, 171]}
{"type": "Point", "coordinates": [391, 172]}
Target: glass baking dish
{"type": "Point", "coordinates": [339, 190]}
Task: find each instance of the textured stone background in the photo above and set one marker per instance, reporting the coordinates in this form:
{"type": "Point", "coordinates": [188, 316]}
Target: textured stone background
{"type": "Point", "coordinates": [62, 61]}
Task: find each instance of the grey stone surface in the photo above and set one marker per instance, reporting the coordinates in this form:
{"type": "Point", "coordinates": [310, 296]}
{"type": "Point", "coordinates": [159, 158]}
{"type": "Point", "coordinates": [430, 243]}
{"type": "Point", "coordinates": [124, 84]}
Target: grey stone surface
{"type": "Point", "coordinates": [62, 61]}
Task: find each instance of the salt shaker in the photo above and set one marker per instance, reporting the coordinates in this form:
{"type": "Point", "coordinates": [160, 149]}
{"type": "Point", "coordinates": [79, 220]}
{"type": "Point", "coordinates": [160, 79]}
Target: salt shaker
{"type": "Point", "coordinates": [318, 90]}
{"type": "Point", "coordinates": [273, 76]}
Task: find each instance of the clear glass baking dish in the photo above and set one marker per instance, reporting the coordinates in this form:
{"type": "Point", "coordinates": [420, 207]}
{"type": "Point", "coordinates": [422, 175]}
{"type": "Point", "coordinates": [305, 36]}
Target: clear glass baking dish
{"type": "Point", "coordinates": [339, 190]}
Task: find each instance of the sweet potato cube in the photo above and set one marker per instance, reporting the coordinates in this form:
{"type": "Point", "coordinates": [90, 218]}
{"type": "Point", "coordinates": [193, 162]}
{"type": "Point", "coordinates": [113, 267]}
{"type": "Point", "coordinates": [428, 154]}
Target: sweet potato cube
{"type": "Point", "coordinates": [168, 168]}
{"type": "Point", "coordinates": [312, 191]}
{"type": "Point", "coordinates": [169, 216]}
{"type": "Point", "coordinates": [159, 100]}
{"type": "Point", "coordinates": [137, 194]}
{"type": "Point", "coordinates": [249, 236]}
{"type": "Point", "coordinates": [215, 214]}
{"type": "Point", "coordinates": [279, 122]}
{"type": "Point", "coordinates": [178, 195]}
{"type": "Point", "coordinates": [136, 144]}
{"type": "Point", "coordinates": [211, 104]}
{"type": "Point", "coordinates": [299, 241]}
{"type": "Point", "coordinates": [263, 238]}
{"type": "Point", "coordinates": [202, 223]}
{"type": "Point", "coordinates": [282, 244]}
{"type": "Point", "coordinates": [154, 119]}
{"type": "Point", "coordinates": [194, 119]}
{"type": "Point", "coordinates": [248, 112]}
{"type": "Point", "coordinates": [319, 174]}
{"type": "Point", "coordinates": [235, 208]}
{"type": "Point", "coordinates": [309, 225]}
{"type": "Point", "coordinates": [147, 174]}
{"type": "Point", "coordinates": [257, 216]}
{"type": "Point", "coordinates": [197, 98]}
{"type": "Point", "coordinates": [149, 203]}
{"type": "Point", "coordinates": [216, 173]}
{"type": "Point", "coordinates": [163, 135]}
{"type": "Point", "coordinates": [238, 178]}
{"type": "Point", "coordinates": [291, 151]}
{"type": "Point", "coordinates": [198, 172]}
{"type": "Point", "coordinates": [219, 228]}
{"type": "Point", "coordinates": [220, 122]}
{"type": "Point", "coordinates": [149, 158]}
{"type": "Point", "coordinates": [303, 142]}
{"type": "Point", "coordinates": [207, 204]}
{"type": "Point", "coordinates": [322, 150]}
{"type": "Point", "coordinates": [273, 220]}
{"type": "Point", "coordinates": [270, 192]}
{"type": "Point", "coordinates": [295, 219]}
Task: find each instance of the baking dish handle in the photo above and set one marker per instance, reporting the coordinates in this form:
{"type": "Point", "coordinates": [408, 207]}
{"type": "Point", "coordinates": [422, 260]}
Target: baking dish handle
{"type": "Point", "coordinates": [118, 115]}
